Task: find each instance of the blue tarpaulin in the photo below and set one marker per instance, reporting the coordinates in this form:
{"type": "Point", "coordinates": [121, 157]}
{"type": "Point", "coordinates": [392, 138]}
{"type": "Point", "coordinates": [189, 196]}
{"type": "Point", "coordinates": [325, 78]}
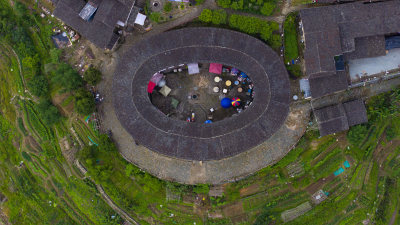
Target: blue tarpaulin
{"type": "Point", "coordinates": [339, 171]}
{"type": "Point", "coordinates": [392, 42]}
{"type": "Point", "coordinates": [346, 164]}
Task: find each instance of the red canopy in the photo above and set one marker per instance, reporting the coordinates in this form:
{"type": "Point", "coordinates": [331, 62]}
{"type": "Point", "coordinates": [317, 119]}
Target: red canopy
{"type": "Point", "coordinates": [215, 68]}
{"type": "Point", "coordinates": [151, 86]}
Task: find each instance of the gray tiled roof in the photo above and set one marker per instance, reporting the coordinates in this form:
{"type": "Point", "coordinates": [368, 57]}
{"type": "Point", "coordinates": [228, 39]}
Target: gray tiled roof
{"type": "Point", "coordinates": [345, 28]}
{"type": "Point", "coordinates": [340, 117]}
{"type": "Point", "coordinates": [196, 141]}
{"type": "Point", "coordinates": [100, 30]}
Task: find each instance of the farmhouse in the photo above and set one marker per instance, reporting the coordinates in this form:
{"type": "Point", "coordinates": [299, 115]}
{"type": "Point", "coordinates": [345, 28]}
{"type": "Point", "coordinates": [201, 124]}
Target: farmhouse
{"type": "Point", "coordinates": [100, 21]}
{"type": "Point", "coordinates": [338, 38]}
{"type": "Point", "coordinates": [340, 117]}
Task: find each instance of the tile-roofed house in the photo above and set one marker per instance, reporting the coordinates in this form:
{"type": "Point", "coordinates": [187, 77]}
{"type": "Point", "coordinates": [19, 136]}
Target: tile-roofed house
{"type": "Point", "coordinates": [340, 117]}
{"type": "Point", "coordinates": [355, 112]}
{"type": "Point", "coordinates": [96, 20]}
{"type": "Point", "coordinates": [355, 30]}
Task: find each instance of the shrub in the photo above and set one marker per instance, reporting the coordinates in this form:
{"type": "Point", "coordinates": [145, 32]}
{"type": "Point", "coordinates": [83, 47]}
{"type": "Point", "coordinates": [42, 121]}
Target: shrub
{"type": "Point", "coordinates": [155, 17]}
{"type": "Point", "coordinates": [218, 17]}
{"type": "Point", "coordinates": [201, 189]}
{"type": "Point", "coordinates": [357, 134]}
{"type": "Point", "coordinates": [206, 15]}
{"type": "Point", "coordinates": [92, 76]}
{"type": "Point", "coordinates": [168, 7]}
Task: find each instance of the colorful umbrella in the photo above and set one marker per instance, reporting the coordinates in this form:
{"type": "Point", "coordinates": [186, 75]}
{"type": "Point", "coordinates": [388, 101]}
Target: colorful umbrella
{"type": "Point", "coordinates": [235, 101]}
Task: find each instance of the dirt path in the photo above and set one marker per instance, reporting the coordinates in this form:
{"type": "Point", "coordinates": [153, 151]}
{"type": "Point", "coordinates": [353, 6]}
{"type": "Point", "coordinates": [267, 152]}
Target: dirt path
{"type": "Point", "coordinates": [393, 218]}
{"type": "Point", "coordinates": [115, 207]}
{"type": "Point", "coordinates": [107, 198]}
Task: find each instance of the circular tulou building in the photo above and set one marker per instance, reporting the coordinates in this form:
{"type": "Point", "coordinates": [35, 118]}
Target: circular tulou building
{"type": "Point", "coordinates": [201, 152]}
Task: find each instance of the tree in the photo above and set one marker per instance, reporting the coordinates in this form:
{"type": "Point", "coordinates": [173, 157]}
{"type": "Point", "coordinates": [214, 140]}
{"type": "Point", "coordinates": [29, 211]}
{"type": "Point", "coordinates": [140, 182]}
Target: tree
{"type": "Point", "coordinates": [168, 7]}
{"type": "Point", "coordinates": [67, 78]}
{"type": "Point", "coordinates": [268, 8]}
{"type": "Point", "coordinates": [218, 17]}
{"type": "Point", "coordinates": [92, 76]}
{"type": "Point", "coordinates": [84, 102]}
{"type": "Point", "coordinates": [38, 85]}
{"type": "Point", "coordinates": [48, 112]}
{"type": "Point", "coordinates": [206, 15]}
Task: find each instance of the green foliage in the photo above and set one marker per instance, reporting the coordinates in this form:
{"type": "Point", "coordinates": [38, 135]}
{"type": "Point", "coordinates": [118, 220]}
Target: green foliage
{"type": "Point", "coordinates": [294, 70]}
{"type": "Point", "coordinates": [264, 7]}
{"type": "Point", "coordinates": [224, 3]}
{"type": "Point", "coordinates": [106, 145]}
{"type": "Point", "coordinates": [48, 112]}
{"type": "Point", "coordinates": [67, 78]}
{"type": "Point", "coordinates": [55, 55]}
{"type": "Point", "coordinates": [39, 85]}
{"type": "Point", "coordinates": [268, 8]}
{"type": "Point", "coordinates": [291, 43]}
{"type": "Point", "coordinates": [215, 16]}
{"type": "Point", "coordinates": [168, 7]}
{"type": "Point", "coordinates": [232, 193]}
{"type": "Point", "coordinates": [84, 102]}
{"type": "Point", "coordinates": [201, 189]}
{"type": "Point", "coordinates": [199, 2]}
{"type": "Point", "coordinates": [357, 134]}
{"type": "Point", "coordinates": [31, 65]}
{"type": "Point", "coordinates": [206, 15]}
{"type": "Point", "coordinates": [381, 212]}
{"type": "Point", "coordinates": [92, 76]}
{"type": "Point", "coordinates": [155, 17]}
{"type": "Point", "coordinates": [131, 170]}
{"type": "Point", "coordinates": [249, 25]}
{"type": "Point", "coordinates": [254, 26]}
{"type": "Point", "coordinates": [390, 133]}
{"type": "Point", "coordinates": [22, 127]}
{"type": "Point", "coordinates": [218, 17]}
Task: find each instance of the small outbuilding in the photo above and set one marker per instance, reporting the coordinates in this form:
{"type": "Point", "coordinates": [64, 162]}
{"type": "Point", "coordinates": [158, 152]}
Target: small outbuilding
{"type": "Point", "coordinates": [61, 40]}
{"type": "Point", "coordinates": [319, 197]}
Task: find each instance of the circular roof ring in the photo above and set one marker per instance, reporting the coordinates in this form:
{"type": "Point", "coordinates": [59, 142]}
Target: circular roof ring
{"type": "Point", "coordinates": [198, 141]}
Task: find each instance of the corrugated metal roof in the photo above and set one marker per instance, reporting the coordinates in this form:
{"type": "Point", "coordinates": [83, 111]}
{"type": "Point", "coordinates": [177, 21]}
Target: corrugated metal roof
{"type": "Point", "coordinates": [87, 11]}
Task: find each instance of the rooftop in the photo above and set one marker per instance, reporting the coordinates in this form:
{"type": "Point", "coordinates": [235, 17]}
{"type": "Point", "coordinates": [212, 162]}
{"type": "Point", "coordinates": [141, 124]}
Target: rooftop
{"type": "Point", "coordinates": [97, 25]}
{"type": "Point", "coordinates": [340, 117]}
{"type": "Point", "coordinates": [199, 141]}
{"type": "Point", "coordinates": [354, 29]}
